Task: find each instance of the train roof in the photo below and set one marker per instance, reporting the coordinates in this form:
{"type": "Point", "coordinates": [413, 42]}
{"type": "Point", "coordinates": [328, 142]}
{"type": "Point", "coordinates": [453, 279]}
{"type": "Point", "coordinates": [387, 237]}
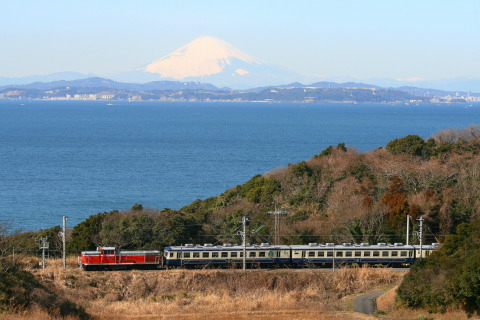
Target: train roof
{"type": "Point", "coordinates": [227, 246]}
{"type": "Point", "coordinates": [131, 252]}
{"type": "Point", "coordinates": [360, 246]}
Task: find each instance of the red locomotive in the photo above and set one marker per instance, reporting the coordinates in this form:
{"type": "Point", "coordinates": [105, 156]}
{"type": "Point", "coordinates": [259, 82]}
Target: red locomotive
{"type": "Point", "coordinates": [112, 258]}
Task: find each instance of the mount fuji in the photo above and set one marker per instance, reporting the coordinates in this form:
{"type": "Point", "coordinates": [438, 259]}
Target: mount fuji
{"type": "Point", "coordinates": [212, 60]}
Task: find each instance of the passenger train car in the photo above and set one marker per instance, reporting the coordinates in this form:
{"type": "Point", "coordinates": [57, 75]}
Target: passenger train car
{"type": "Point", "coordinates": [226, 255]}
{"type": "Point", "coordinates": [313, 254]}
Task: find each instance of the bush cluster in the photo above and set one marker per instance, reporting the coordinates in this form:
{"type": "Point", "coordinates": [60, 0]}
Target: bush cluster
{"type": "Point", "coordinates": [450, 277]}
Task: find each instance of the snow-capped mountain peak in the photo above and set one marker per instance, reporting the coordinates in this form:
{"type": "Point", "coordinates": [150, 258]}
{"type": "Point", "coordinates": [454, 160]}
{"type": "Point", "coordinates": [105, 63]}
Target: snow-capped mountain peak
{"type": "Point", "coordinates": [202, 57]}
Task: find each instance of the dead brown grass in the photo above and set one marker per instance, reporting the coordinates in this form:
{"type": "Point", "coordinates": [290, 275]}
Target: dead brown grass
{"type": "Point", "coordinates": [214, 294]}
{"type": "Point", "coordinates": [208, 294]}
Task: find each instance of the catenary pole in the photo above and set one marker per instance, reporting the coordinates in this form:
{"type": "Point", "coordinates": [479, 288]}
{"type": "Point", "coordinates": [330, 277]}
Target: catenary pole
{"type": "Point", "coordinates": [276, 229]}
{"type": "Point", "coordinates": [244, 242]}
{"type": "Point", "coordinates": [64, 252]}
{"type": "Point", "coordinates": [421, 235]}
{"type": "Point", "coordinates": [408, 228]}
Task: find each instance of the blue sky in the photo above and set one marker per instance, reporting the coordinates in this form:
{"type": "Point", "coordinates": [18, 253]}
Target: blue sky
{"type": "Point", "coordinates": [342, 38]}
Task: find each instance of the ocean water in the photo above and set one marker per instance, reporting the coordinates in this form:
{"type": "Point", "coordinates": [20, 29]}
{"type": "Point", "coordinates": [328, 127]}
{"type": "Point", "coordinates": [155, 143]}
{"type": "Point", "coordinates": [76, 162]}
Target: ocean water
{"type": "Point", "coordinates": [79, 158]}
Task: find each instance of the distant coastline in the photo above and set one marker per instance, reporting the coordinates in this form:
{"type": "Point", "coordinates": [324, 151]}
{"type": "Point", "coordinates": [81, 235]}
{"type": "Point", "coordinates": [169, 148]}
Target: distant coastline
{"type": "Point", "coordinates": [93, 89]}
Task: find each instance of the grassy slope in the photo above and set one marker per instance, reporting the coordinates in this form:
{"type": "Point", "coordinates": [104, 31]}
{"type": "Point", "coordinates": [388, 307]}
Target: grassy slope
{"type": "Point", "coordinates": [212, 294]}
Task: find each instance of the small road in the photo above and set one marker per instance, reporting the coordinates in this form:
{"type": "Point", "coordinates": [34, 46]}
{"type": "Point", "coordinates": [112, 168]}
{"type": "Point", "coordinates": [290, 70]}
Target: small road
{"type": "Point", "coordinates": [365, 303]}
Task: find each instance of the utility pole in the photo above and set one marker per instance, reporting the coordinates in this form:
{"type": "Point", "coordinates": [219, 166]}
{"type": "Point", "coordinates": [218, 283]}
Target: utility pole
{"type": "Point", "coordinates": [43, 245]}
{"type": "Point", "coordinates": [421, 235]}
{"type": "Point", "coordinates": [276, 230]}
{"type": "Point", "coordinates": [244, 241]}
{"type": "Point", "coordinates": [64, 231]}
{"type": "Point", "coordinates": [408, 228]}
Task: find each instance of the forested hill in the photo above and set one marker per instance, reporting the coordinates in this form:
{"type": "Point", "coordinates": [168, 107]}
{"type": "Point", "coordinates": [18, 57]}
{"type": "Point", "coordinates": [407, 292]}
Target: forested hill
{"type": "Point", "coordinates": [339, 195]}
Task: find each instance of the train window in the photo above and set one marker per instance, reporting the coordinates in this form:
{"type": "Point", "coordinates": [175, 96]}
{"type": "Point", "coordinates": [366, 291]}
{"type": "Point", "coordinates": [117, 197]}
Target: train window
{"type": "Point", "coordinates": [233, 254]}
{"type": "Point", "coordinates": [329, 253]}
{"type": "Point", "coordinates": [108, 251]}
{"type": "Point", "coordinates": [241, 254]}
{"type": "Point", "coordinates": [339, 254]}
{"type": "Point", "coordinates": [172, 254]}
{"type": "Point", "coordinates": [427, 253]}
{"type": "Point", "coordinates": [206, 255]}
{"type": "Point", "coordinates": [252, 254]}
{"type": "Point", "coordinates": [394, 253]}
{"type": "Point", "coordinates": [410, 254]}
{"type": "Point", "coordinates": [348, 254]}
{"type": "Point", "coordinates": [366, 253]}
{"type": "Point", "coordinates": [311, 253]}
{"type": "Point", "coordinates": [403, 253]}
{"type": "Point", "coordinates": [261, 254]}
{"type": "Point", "coordinates": [321, 254]}
{"type": "Point", "coordinates": [214, 254]}
{"type": "Point", "coordinates": [358, 253]}
{"type": "Point", "coordinates": [196, 254]}
{"type": "Point", "coordinates": [224, 254]}
{"type": "Point", "coordinates": [186, 254]}
{"type": "Point", "coordinates": [376, 253]}
{"type": "Point", "coordinates": [384, 253]}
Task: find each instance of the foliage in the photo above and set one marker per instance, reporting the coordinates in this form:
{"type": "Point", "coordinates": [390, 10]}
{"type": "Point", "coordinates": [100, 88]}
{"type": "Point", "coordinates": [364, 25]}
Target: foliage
{"type": "Point", "coordinates": [361, 171]}
{"type": "Point", "coordinates": [450, 277]}
{"type": "Point", "coordinates": [28, 241]}
{"type": "Point", "coordinates": [300, 169]}
{"type": "Point", "coordinates": [396, 201]}
{"type": "Point", "coordinates": [82, 237]}
{"type": "Point", "coordinates": [360, 197]}
{"type": "Point", "coordinates": [259, 189]}
{"type": "Point", "coordinates": [330, 149]}
{"type": "Point", "coordinates": [411, 144]}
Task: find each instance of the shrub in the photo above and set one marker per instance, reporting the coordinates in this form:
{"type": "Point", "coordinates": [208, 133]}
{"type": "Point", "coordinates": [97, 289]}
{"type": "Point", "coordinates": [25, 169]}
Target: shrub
{"type": "Point", "coordinates": [411, 144]}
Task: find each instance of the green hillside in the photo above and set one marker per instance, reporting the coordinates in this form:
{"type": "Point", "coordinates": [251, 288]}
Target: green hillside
{"type": "Point", "coordinates": [339, 195]}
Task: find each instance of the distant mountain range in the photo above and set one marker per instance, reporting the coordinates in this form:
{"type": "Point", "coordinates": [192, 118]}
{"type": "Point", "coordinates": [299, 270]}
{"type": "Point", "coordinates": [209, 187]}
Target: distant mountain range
{"type": "Point", "coordinates": [210, 63]}
{"type": "Point", "coordinates": [105, 89]}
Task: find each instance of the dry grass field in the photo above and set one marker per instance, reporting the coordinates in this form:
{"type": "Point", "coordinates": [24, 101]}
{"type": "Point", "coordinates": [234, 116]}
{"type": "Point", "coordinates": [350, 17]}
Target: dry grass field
{"type": "Point", "coordinates": [211, 294]}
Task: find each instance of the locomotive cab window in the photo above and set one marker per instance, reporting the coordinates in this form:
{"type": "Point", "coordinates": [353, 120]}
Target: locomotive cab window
{"type": "Point", "coordinates": [108, 251]}
{"type": "Point", "coordinates": [172, 254]}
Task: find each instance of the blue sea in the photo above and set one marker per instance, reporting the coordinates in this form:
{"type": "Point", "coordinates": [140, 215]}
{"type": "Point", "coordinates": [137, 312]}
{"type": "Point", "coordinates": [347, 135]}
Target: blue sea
{"type": "Point", "coordinates": [78, 158]}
